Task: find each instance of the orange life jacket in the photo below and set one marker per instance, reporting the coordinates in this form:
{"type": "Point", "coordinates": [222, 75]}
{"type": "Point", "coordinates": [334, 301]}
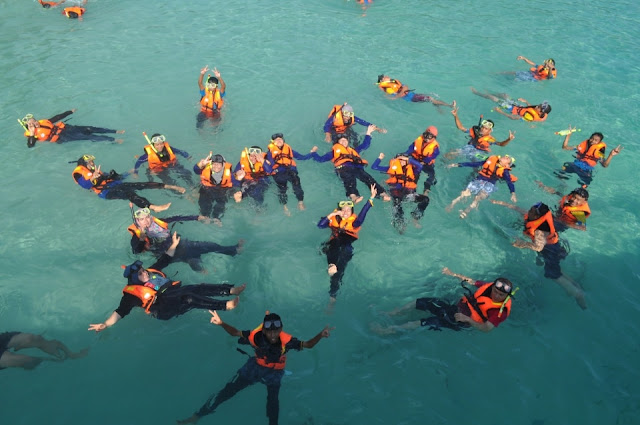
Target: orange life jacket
{"type": "Point", "coordinates": [492, 167]}
{"type": "Point", "coordinates": [340, 125]}
{"type": "Point", "coordinates": [485, 303]}
{"type": "Point", "coordinates": [252, 171]}
{"type": "Point", "coordinates": [527, 113]}
{"type": "Point", "coordinates": [590, 154]}
{"type": "Point", "coordinates": [211, 100]}
{"type": "Point", "coordinates": [205, 176]}
{"type": "Point", "coordinates": [282, 156]}
{"type": "Point", "coordinates": [262, 361]}
{"type": "Point", "coordinates": [566, 211]}
{"type": "Point", "coordinates": [542, 73]}
{"type": "Point", "coordinates": [134, 230]}
{"type": "Point", "coordinates": [159, 160]}
{"type": "Point", "coordinates": [69, 11]}
{"type": "Point", "coordinates": [47, 131]}
{"type": "Point", "coordinates": [145, 293]}
{"type": "Point", "coordinates": [345, 225]}
{"type": "Point", "coordinates": [342, 155]}
{"type": "Point", "coordinates": [481, 143]}
{"type": "Point", "coordinates": [401, 175]}
{"type": "Point", "coordinates": [390, 87]}
{"type": "Point", "coordinates": [87, 175]}
{"type": "Point", "coordinates": [421, 150]}
{"type": "Point", "coordinates": [531, 226]}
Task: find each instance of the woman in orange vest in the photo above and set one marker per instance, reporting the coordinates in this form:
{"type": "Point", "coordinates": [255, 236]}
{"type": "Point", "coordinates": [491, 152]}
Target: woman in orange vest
{"type": "Point", "coordinates": [484, 309]}
{"type": "Point", "coordinates": [396, 89]}
{"type": "Point", "coordinates": [425, 149]}
{"type": "Point", "coordinates": [164, 299]}
{"type": "Point", "coordinates": [589, 153]}
{"type": "Point", "coordinates": [478, 147]}
{"type": "Point", "coordinates": [55, 131]}
{"type": "Point", "coordinates": [344, 225]}
{"type": "Point", "coordinates": [161, 158]}
{"type": "Point", "coordinates": [271, 346]}
{"type": "Point", "coordinates": [546, 71]}
{"type": "Point", "coordinates": [493, 169]}
{"type": "Point", "coordinates": [527, 112]}
{"type": "Point", "coordinates": [573, 209]}
{"type": "Point", "coordinates": [255, 180]}
{"type": "Point", "coordinates": [211, 97]}
{"type": "Point", "coordinates": [341, 119]}
{"type": "Point", "coordinates": [403, 173]}
{"type": "Point", "coordinates": [217, 181]}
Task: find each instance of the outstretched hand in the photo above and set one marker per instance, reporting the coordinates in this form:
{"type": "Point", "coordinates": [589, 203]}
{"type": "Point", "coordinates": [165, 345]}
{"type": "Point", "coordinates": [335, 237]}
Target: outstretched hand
{"type": "Point", "coordinates": [216, 72]}
{"type": "Point", "coordinates": [205, 69]}
{"type": "Point", "coordinates": [215, 319]}
{"type": "Point", "coordinates": [98, 327]}
{"type": "Point", "coordinates": [326, 332]}
{"type": "Point", "coordinates": [374, 191]}
{"type": "Point", "coordinates": [616, 150]}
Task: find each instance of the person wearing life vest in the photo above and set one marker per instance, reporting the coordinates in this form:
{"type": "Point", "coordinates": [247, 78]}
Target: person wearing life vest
{"type": "Point", "coordinates": [481, 138]}
{"type": "Point", "coordinates": [484, 309]}
{"type": "Point", "coordinates": [255, 180]}
{"type": "Point", "coordinates": [49, 4]}
{"type": "Point", "coordinates": [573, 209]}
{"type": "Point", "coordinates": [271, 345]}
{"type": "Point", "coordinates": [55, 131]}
{"type": "Point", "coordinates": [403, 171]}
{"type": "Point", "coordinates": [161, 159]}
{"type": "Point", "coordinates": [588, 154]}
{"type": "Point", "coordinates": [345, 226]}
{"type": "Point", "coordinates": [514, 111]}
{"type": "Point", "coordinates": [340, 120]}
{"type": "Point", "coordinates": [349, 166]}
{"type": "Point", "coordinates": [163, 298]}
{"type": "Point", "coordinates": [281, 158]}
{"type": "Point", "coordinates": [10, 342]}
{"type": "Point", "coordinates": [217, 182]}
{"type": "Point", "coordinates": [111, 186]}
{"type": "Point", "coordinates": [546, 71]}
{"type": "Point", "coordinates": [425, 149]}
{"type": "Point", "coordinates": [73, 12]}
{"type": "Point", "coordinates": [493, 169]}
{"type": "Point", "coordinates": [211, 96]}
{"type": "Point", "coordinates": [149, 233]}
{"type": "Point", "coordinates": [395, 89]}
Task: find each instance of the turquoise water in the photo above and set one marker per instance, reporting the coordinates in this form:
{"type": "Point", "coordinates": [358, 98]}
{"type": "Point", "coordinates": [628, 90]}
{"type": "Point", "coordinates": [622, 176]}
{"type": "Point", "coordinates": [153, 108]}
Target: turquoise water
{"type": "Point", "coordinates": [134, 66]}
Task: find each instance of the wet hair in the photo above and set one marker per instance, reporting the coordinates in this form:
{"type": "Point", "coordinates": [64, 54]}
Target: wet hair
{"type": "Point", "coordinates": [217, 158]}
{"type": "Point", "coordinates": [536, 211]}
{"type": "Point", "coordinates": [339, 136]}
{"type": "Point", "coordinates": [271, 316]}
{"type": "Point", "coordinates": [72, 15]}
{"type": "Point", "coordinates": [580, 192]}
{"type": "Point", "coordinates": [545, 107]}
{"type": "Point", "coordinates": [213, 80]}
{"type": "Point", "coordinates": [155, 135]}
{"type": "Point", "coordinates": [256, 147]}
{"type": "Point", "coordinates": [504, 281]}
{"type": "Point", "coordinates": [380, 77]}
{"type": "Point", "coordinates": [597, 133]}
{"type": "Point", "coordinates": [553, 62]}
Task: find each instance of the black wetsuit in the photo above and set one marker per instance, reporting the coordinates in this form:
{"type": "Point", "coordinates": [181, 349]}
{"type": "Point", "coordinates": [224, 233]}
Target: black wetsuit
{"type": "Point", "coordinates": [76, 132]}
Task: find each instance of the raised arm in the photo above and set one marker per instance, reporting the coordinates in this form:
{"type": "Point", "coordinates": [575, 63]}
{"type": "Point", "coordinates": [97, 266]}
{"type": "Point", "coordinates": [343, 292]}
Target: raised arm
{"type": "Point", "coordinates": [615, 151]}
{"type": "Point", "coordinates": [216, 320]}
{"type": "Point", "coordinates": [325, 333]}
{"type": "Point", "coordinates": [202, 72]}
{"type": "Point", "coordinates": [512, 135]}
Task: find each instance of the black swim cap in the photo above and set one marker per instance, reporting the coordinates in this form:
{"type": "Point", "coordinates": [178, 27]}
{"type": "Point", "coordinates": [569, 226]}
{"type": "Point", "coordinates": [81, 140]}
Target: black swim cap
{"type": "Point", "coordinates": [380, 77]}
{"type": "Point", "coordinates": [218, 158]}
{"type": "Point", "coordinates": [581, 192]}
{"type": "Point", "coordinates": [212, 80]}
{"type": "Point", "coordinates": [131, 272]}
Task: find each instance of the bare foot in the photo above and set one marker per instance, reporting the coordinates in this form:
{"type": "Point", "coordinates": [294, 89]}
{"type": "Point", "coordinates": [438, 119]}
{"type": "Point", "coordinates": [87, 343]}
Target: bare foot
{"type": "Point", "coordinates": [286, 211]}
{"type": "Point", "coordinates": [301, 206]}
{"type": "Point", "coordinates": [378, 329]}
{"type": "Point", "coordinates": [386, 197]}
{"type": "Point", "coordinates": [331, 305]}
{"type": "Point", "coordinates": [176, 188]}
{"type": "Point", "coordinates": [80, 354]}
{"type": "Point", "coordinates": [192, 420]}
{"type": "Point", "coordinates": [237, 290]}
{"type": "Point", "coordinates": [118, 141]}
{"type": "Point", "coordinates": [580, 300]}
{"type": "Point", "coordinates": [240, 246]}
{"type": "Point", "coordinates": [158, 208]}
{"type": "Point", "coordinates": [231, 304]}
{"type": "Point", "coordinates": [355, 198]}
{"type": "Point", "coordinates": [448, 208]}
{"type": "Point", "coordinates": [463, 214]}
{"type": "Point", "coordinates": [120, 132]}
{"type": "Point", "coordinates": [416, 224]}
{"type": "Point", "coordinates": [217, 222]}
{"type": "Point", "coordinates": [333, 269]}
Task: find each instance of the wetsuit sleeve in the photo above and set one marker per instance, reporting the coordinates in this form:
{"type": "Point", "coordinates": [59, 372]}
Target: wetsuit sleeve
{"type": "Point", "coordinates": [324, 158]}
{"type": "Point", "coordinates": [84, 183]}
{"type": "Point", "coordinates": [434, 155]}
{"type": "Point", "coordinates": [60, 117]}
{"type": "Point", "coordinates": [365, 144]}
{"type": "Point", "coordinates": [363, 214]}
{"type": "Point", "coordinates": [293, 344]}
{"type": "Point", "coordinates": [471, 164]}
{"type": "Point", "coordinates": [301, 157]}
{"type": "Point", "coordinates": [176, 218]}
{"type": "Point", "coordinates": [127, 302]}
{"type": "Point", "coordinates": [244, 339]}
{"type": "Point", "coordinates": [323, 223]}
{"type": "Point", "coordinates": [268, 168]}
{"type": "Point", "coordinates": [416, 164]}
{"type": "Point", "coordinates": [162, 262]}
{"type": "Point", "coordinates": [507, 178]}
{"type": "Point", "coordinates": [361, 121]}
{"type": "Point", "coordinates": [31, 141]}
{"type": "Point", "coordinates": [197, 169]}
{"type": "Point", "coordinates": [376, 166]}
{"type": "Point", "coordinates": [201, 94]}
{"type": "Point", "coordinates": [479, 283]}
{"type": "Point", "coordinates": [180, 152]}
{"type": "Point", "coordinates": [137, 245]}
{"type": "Point", "coordinates": [492, 316]}
{"type": "Point", "coordinates": [328, 124]}
{"type": "Point", "coordinates": [410, 149]}
{"type": "Point", "coordinates": [141, 160]}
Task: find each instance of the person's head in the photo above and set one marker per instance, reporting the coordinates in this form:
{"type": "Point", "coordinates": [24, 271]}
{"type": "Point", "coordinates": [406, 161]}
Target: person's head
{"type": "Point", "coordinates": [87, 161]}
{"type": "Point", "coordinates": [271, 327]}
{"type": "Point", "coordinates": [278, 139]}
{"type": "Point", "coordinates": [212, 83]}
{"type": "Point", "coordinates": [217, 163]}
{"type": "Point", "coordinates": [383, 78]}
{"type": "Point", "coordinates": [507, 161]}
{"type": "Point", "coordinates": [595, 138]}
{"type": "Point", "coordinates": [143, 217]}
{"type": "Point", "coordinates": [157, 140]}
{"type": "Point", "coordinates": [30, 120]}
{"type": "Point", "coordinates": [71, 14]}
{"type": "Point", "coordinates": [536, 211]}
{"type": "Point", "coordinates": [543, 109]}
{"type": "Point", "coordinates": [501, 289]}
{"type": "Point", "coordinates": [549, 63]}
{"type": "Point", "coordinates": [430, 133]}
{"type": "Point", "coordinates": [346, 208]}
{"type": "Point", "coordinates": [342, 139]}
{"type": "Point", "coordinates": [136, 274]}
{"type": "Point", "coordinates": [578, 197]}
{"type": "Point", "coordinates": [347, 111]}
{"type": "Point", "coordinates": [254, 153]}
{"type": "Point", "coordinates": [486, 127]}
{"type": "Point", "coordinates": [403, 158]}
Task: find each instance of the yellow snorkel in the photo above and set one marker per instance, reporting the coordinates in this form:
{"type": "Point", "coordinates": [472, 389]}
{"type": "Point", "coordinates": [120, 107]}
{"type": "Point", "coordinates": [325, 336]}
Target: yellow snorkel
{"type": "Point", "coordinates": [22, 124]}
{"type": "Point", "coordinates": [144, 133]}
{"type": "Point", "coordinates": [246, 153]}
{"type": "Point", "coordinates": [507, 299]}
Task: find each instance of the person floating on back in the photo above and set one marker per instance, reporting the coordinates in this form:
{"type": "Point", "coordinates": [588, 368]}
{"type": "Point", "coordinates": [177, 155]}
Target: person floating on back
{"type": "Point", "coordinates": [526, 112]}
{"type": "Point", "coordinates": [396, 89]}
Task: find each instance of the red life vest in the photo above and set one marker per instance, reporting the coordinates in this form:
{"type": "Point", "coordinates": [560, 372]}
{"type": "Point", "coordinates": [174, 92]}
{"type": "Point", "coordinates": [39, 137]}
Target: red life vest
{"type": "Point", "coordinates": [401, 175]}
{"type": "Point", "coordinates": [282, 156]}
{"type": "Point", "coordinates": [340, 125]}
{"type": "Point", "coordinates": [481, 143]}
{"type": "Point", "coordinates": [342, 155]}
{"type": "Point", "coordinates": [566, 211]}
{"type": "Point", "coordinates": [421, 150]}
{"type": "Point", "coordinates": [47, 131]}
{"type": "Point", "coordinates": [252, 171]}
{"type": "Point", "coordinates": [73, 12]}
{"type": "Point", "coordinates": [345, 225]}
{"type": "Point", "coordinates": [531, 226]}
{"type": "Point", "coordinates": [492, 167]}
{"type": "Point", "coordinates": [262, 361]}
{"type": "Point", "coordinates": [390, 87]}
{"type": "Point", "coordinates": [590, 154]}
{"type": "Point", "coordinates": [485, 303]}
{"type": "Point", "coordinates": [87, 175]}
{"type": "Point", "coordinates": [542, 73]}
{"type": "Point", "coordinates": [134, 230]}
{"type": "Point", "coordinates": [146, 293]}
{"type": "Point", "coordinates": [527, 113]}
{"type": "Point", "coordinates": [159, 160]}
{"type": "Point", "coordinates": [205, 176]}
{"type": "Point", "coordinates": [211, 100]}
